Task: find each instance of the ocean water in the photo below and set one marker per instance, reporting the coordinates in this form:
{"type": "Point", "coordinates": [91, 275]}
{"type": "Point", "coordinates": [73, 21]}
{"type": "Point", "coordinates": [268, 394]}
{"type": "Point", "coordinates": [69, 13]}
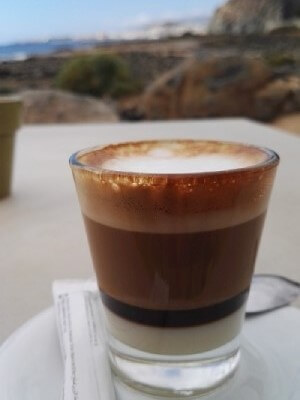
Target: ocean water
{"type": "Point", "coordinates": [21, 51]}
{"type": "Point", "coordinates": [152, 31]}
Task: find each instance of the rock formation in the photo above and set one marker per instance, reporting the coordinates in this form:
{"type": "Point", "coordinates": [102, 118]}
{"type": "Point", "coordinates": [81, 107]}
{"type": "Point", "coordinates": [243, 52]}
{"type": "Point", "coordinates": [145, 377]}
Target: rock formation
{"type": "Point", "coordinates": [221, 87]}
{"type": "Point", "coordinates": [253, 16]}
{"type": "Point", "coordinates": [215, 88]}
{"type": "Point", "coordinates": [54, 106]}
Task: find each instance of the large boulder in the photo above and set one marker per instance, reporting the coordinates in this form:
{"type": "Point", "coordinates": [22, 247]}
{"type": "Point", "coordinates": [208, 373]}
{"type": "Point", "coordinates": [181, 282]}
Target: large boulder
{"type": "Point", "coordinates": [278, 97]}
{"type": "Point", "coordinates": [289, 123]}
{"type": "Point", "coordinates": [54, 106]}
{"type": "Point", "coordinates": [253, 16]}
{"type": "Point", "coordinates": [215, 88]}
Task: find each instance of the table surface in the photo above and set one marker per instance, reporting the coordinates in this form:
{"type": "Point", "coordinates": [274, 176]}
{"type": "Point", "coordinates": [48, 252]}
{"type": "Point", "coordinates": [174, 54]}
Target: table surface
{"type": "Point", "coordinates": [41, 232]}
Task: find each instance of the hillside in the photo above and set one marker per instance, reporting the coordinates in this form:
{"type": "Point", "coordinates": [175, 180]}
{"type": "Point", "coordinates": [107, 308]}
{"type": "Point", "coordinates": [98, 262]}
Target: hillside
{"type": "Point", "coordinates": [254, 16]}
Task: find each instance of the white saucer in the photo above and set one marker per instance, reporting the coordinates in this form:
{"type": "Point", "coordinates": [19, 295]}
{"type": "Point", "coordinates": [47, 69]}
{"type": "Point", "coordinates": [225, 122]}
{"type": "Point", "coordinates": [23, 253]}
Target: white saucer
{"type": "Point", "coordinates": [31, 366]}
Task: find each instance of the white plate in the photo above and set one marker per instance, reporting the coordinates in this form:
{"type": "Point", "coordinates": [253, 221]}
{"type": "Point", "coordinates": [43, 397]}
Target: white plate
{"type": "Point", "coordinates": [31, 365]}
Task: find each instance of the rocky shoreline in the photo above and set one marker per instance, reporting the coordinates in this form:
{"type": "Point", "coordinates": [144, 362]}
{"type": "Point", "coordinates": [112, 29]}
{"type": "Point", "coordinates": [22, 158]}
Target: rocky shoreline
{"type": "Point", "coordinates": [222, 69]}
{"type": "Point", "coordinates": [146, 61]}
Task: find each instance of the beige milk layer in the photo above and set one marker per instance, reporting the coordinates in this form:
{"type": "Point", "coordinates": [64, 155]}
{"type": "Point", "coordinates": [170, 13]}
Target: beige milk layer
{"type": "Point", "coordinates": [176, 341]}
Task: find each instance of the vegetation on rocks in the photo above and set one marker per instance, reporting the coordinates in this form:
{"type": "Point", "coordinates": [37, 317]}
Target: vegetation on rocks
{"type": "Point", "coordinates": [98, 75]}
{"type": "Point", "coordinates": [279, 59]}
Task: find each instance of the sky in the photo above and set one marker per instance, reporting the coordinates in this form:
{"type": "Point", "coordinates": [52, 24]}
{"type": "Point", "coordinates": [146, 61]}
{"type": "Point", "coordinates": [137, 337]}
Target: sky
{"type": "Point", "coordinates": [22, 20]}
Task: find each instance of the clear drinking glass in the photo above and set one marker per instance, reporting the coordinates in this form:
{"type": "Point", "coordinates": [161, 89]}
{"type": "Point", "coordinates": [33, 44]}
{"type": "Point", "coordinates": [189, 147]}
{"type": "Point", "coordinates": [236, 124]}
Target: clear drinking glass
{"type": "Point", "coordinates": [174, 228]}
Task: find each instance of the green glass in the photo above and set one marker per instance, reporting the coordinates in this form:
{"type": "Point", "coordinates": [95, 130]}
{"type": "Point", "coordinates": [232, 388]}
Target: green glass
{"type": "Point", "coordinates": [10, 113]}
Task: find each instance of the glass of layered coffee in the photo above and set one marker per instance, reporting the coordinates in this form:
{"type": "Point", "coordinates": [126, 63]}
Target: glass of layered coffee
{"type": "Point", "coordinates": [174, 228]}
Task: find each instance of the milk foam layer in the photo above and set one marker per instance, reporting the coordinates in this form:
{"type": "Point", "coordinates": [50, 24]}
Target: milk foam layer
{"type": "Point", "coordinates": [161, 186]}
{"type": "Point", "coordinates": [176, 157]}
{"type": "Point", "coordinates": [170, 164]}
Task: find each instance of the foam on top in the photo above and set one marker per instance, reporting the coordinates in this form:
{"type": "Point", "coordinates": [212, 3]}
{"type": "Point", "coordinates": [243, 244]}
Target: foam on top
{"type": "Point", "coordinates": [178, 186]}
{"type": "Point", "coordinates": [179, 157]}
{"type": "Point", "coordinates": [168, 164]}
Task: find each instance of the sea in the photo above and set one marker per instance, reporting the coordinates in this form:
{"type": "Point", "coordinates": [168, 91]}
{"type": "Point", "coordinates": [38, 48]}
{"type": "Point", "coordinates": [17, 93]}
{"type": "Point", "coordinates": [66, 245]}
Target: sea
{"type": "Point", "coordinates": [21, 51]}
{"type": "Point", "coordinates": [153, 31]}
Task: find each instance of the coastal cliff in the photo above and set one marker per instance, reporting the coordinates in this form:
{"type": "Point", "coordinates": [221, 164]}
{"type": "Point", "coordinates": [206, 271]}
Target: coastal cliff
{"type": "Point", "coordinates": [254, 16]}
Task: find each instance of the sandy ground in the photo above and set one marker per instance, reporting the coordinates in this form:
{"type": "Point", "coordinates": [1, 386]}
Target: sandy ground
{"type": "Point", "coordinates": [289, 123]}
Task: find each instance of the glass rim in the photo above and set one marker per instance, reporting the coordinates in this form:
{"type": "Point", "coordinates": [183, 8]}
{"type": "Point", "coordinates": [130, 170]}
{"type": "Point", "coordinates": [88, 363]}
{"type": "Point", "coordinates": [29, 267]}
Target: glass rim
{"type": "Point", "coordinates": [272, 159]}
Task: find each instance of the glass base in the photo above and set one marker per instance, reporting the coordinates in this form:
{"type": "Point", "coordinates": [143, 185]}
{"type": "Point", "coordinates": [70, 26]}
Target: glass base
{"type": "Point", "coordinates": [175, 376]}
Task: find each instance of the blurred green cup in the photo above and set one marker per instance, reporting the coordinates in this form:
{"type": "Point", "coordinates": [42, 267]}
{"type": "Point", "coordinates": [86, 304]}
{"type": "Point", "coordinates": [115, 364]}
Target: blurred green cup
{"type": "Point", "coordinates": [10, 116]}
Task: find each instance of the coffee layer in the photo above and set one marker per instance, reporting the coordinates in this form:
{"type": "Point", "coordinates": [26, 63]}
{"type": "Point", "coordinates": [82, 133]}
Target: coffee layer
{"type": "Point", "coordinates": [175, 318]}
{"type": "Point", "coordinates": [174, 271]}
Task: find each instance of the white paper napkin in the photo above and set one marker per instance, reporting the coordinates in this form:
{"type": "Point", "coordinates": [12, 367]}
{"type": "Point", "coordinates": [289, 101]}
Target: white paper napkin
{"type": "Point", "coordinates": [87, 374]}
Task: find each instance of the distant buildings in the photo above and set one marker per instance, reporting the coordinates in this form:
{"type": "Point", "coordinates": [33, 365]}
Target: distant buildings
{"type": "Point", "coordinates": [161, 30]}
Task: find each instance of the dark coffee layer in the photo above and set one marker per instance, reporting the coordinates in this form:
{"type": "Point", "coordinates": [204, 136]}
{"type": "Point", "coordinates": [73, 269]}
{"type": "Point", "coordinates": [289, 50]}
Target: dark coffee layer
{"type": "Point", "coordinates": [174, 271]}
{"type": "Point", "coordinates": [175, 318]}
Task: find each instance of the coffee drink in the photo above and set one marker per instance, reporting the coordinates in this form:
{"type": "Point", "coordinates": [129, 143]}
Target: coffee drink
{"type": "Point", "coordinates": [174, 229]}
